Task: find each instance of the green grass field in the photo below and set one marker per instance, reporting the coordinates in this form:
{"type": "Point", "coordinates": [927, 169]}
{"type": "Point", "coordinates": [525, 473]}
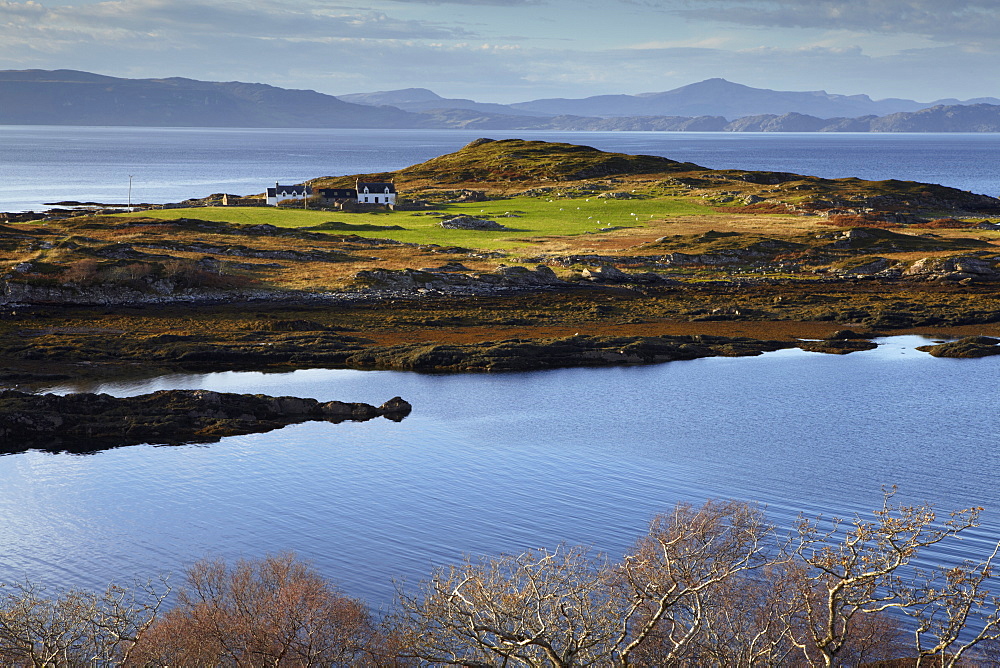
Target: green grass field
{"type": "Point", "coordinates": [537, 218]}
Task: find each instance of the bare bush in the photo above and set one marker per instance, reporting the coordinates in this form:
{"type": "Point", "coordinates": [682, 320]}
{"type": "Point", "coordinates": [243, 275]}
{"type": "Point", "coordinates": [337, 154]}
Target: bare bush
{"type": "Point", "coordinates": [275, 611]}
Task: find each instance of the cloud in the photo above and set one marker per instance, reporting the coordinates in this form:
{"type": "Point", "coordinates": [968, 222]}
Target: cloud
{"type": "Point", "coordinates": [182, 19]}
{"type": "Point", "coordinates": [941, 20]}
{"type": "Point", "coordinates": [340, 49]}
{"type": "Point", "coordinates": [476, 3]}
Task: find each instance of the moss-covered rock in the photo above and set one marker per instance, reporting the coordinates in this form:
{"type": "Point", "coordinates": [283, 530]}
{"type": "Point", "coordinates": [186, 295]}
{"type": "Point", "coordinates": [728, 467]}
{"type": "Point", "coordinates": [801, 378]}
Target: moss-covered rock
{"type": "Point", "coordinates": [970, 346]}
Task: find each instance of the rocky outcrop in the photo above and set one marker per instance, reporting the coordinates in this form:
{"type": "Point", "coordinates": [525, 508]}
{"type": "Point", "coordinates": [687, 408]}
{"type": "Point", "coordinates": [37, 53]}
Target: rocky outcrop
{"type": "Point", "coordinates": [605, 273]}
{"type": "Point", "coordinates": [505, 278]}
{"type": "Point", "coordinates": [470, 223]}
{"type": "Point", "coordinates": [970, 346]}
{"type": "Point", "coordinates": [86, 422]}
{"type": "Point", "coordinates": [956, 268]}
{"type": "Point", "coordinates": [840, 342]}
{"type": "Point", "coordinates": [876, 266]}
{"type": "Point", "coordinates": [572, 351]}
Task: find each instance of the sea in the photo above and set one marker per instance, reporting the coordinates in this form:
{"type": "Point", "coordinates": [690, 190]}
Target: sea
{"type": "Point", "coordinates": [40, 165]}
{"type": "Point", "coordinates": [493, 463]}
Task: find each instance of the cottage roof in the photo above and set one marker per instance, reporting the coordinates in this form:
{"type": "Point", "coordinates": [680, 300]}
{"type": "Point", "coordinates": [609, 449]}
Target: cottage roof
{"type": "Point", "coordinates": [288, 190]}
{"type": "Point", "coordinates": [377, 187]}
{"type": "Point", "coordinates": [332, 193]}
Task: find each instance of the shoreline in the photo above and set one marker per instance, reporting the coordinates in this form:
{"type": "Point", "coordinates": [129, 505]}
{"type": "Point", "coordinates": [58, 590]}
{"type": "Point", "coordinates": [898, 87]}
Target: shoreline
{"type": "Point", "coordinates": [45, 345]}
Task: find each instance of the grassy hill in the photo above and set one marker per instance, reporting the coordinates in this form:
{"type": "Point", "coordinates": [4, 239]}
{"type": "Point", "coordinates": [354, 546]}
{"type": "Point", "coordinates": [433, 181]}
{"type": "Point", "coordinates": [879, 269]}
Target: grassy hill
{"type": "Point", "coordinates": [486, 161]}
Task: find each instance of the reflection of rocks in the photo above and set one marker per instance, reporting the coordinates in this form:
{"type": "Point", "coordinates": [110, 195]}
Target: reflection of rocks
{"type": "Point", "coordinates": [86, 422]}
{"type": "Point", "coordinates": [840, 343]}
{"type": "Point", "coordinates": [970, 346]}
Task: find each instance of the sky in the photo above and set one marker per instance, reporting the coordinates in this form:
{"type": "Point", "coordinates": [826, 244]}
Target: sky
{"type": "Point", "coordinates": [518, 50]}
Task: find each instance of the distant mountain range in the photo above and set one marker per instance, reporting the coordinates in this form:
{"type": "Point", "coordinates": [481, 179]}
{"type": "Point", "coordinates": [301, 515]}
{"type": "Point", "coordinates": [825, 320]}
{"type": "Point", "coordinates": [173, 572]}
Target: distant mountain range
{"type": "Point", "coordinates": [712, 97]}
{"type": "Point", "coordinates": [69, 97]}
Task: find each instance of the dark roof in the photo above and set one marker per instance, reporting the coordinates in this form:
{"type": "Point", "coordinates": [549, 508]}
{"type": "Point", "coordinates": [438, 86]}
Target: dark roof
{"type": "Point", "coordinates": [377, 187]}
{"type": "Point", "coordinates": [332, 193]}
{"type": "Point", "coordinates": [288, 190]}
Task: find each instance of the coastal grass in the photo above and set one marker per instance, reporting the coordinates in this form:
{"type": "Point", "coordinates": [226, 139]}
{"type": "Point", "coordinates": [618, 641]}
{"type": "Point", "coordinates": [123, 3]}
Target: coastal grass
{"type": "Point", "coordinates": [527, 218]}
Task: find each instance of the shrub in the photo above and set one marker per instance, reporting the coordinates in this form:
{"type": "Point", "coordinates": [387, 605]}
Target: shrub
{"type": "Point", "coordinates": [275, 611]}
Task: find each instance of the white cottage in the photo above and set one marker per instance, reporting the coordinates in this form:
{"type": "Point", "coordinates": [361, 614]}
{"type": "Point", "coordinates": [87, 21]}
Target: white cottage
{"type": "Point", "coordinates": [280, 193]}
{"type": "Point", "coordinates": [376, 193]}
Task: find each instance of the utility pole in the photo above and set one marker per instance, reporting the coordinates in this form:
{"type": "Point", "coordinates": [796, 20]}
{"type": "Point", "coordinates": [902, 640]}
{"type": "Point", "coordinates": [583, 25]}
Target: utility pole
{"type": "Point", "coordinates": [130, 193]}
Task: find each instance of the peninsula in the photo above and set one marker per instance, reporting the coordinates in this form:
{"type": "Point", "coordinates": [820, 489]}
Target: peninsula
{"type": "Point", "coordinates": [566, 256]}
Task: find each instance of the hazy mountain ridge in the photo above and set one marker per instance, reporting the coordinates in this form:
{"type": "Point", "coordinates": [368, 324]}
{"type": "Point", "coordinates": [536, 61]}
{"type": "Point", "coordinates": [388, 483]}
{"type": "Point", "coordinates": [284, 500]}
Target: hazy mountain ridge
{"type": "Point", "coordinates": [422, 100]}
{"type": "Point", "coordinates": [69, 97]}
{"type": "Point", "coordinates": [718, 97]}
{"type": "Point", "coordinates": [712, 97]}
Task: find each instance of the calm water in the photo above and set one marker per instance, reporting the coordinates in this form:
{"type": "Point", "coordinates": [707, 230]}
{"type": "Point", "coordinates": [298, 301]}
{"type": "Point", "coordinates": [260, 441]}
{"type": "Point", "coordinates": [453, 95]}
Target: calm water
{"type": "Point", "coordinates": [490, 463]}
{"type": "Point", "coordinates": [40, 164]}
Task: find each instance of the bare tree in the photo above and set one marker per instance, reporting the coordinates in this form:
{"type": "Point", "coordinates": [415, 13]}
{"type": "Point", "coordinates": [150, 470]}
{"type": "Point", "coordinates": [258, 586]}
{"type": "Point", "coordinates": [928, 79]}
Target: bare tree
{"type": "Point", "coordinates": [853, 569]}
{"type": "Point", "coordinates": [956, 615]}
{"type": "Point", "coordinates": [78, 628]}
{"type": "Point", "coordinates": [567, 608]}
{"type": "Point", "coordinates": [276, 611]}
{"type": "Point", "coordinates": [697, 588]}
{"type": "Point", "coordinates": [538, 608]}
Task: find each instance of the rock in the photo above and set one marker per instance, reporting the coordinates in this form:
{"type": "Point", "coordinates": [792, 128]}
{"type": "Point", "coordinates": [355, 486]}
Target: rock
{"type": "Point", "coordinates": [874, 266]}
{"type": "Point", "coordinates": [86, 422]}
{"type": "Point", "coordinates": [969, 347]}
{"type": "Point", "coordinates": [837, 346]}
{"type": "Point", "coordinates": [470, 223]}
{"type": "Point", "coordinates": [954, 268]}
{"type": "Point", "coordinates": [846, 334]}
{"type": "Point", "coordinates": [605, 273]}
{"type": "Point", "coordinates": [396, 405]}
{"type": "Point", "coordinates": [522, 276]}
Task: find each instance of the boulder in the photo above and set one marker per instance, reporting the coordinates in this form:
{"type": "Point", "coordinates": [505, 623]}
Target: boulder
{"type": "Point", "coordinates": [522, 276]}
{"type": "Point", "coordinates": [605, 273]}
{"type": "Point", "coordinates": [954, 268]}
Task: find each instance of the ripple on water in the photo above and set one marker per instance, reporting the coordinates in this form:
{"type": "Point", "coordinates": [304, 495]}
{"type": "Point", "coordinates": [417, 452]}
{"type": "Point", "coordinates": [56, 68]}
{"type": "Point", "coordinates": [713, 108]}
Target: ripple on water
{"type": "Point", "coordinates": [492, 463]}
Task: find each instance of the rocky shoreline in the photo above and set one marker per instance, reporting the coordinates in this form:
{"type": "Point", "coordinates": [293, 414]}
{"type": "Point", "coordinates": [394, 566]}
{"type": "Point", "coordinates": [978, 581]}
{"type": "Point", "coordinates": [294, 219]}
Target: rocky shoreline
{"type": "Point", "coordinates": [86, 422]}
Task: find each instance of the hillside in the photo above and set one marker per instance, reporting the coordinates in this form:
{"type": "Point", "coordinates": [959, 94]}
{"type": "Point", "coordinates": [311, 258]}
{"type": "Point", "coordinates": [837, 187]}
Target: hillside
{"type": "Point", "coordinates": [487, 161]}
{"type": "Point", "coordinates": [68, 97]}
{"type": "Point", "coordinates": [511, 166]}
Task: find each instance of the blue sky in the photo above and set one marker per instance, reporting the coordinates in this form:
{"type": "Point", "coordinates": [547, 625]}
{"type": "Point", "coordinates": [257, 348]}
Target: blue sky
{"type": "Point", "coordinates": [516, 50]}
